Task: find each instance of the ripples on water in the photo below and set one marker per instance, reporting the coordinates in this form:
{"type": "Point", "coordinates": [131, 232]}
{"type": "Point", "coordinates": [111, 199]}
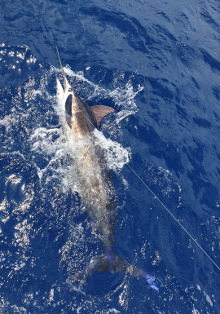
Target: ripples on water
{"type": "Point", "coordinates": [157, 64]}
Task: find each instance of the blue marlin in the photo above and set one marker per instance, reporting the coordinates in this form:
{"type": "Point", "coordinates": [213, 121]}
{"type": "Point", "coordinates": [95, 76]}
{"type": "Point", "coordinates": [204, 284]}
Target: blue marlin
{"type": "Point", "coordinates": [96, 186]}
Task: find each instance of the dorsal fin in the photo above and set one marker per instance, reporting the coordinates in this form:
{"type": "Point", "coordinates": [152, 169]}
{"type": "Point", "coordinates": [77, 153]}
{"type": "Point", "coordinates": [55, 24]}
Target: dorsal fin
{"type": "Point", "coordinates": [100, 111]}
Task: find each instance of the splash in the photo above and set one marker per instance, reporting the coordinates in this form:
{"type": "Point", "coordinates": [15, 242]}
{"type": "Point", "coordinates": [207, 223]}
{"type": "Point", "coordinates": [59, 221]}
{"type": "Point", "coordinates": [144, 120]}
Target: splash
{"type": "Point", "coordinates": [115, 154]}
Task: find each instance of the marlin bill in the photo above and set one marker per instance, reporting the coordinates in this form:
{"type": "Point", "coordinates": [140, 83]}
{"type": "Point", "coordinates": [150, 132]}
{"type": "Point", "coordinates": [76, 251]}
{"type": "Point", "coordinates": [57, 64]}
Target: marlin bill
{"type": "Point", "coordinates": [96, 185]}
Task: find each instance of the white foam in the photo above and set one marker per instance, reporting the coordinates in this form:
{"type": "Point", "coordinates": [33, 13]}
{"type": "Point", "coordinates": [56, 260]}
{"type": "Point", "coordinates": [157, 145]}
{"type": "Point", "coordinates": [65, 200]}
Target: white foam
{"type": "Point", "coordinates": [115, 154]}
{"type": "Point", "coordinates": [8, 121]}
{"type": "Point", "coordinates": [51, 297]}
{"type": "Point", "coordinates": [43, 140]}
{"type": "Point", "coordinates": [208, 299]}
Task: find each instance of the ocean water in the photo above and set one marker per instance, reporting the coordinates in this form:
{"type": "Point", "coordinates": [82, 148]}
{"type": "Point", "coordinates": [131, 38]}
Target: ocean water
{"type": "Point", "coordinates": [158, 64]}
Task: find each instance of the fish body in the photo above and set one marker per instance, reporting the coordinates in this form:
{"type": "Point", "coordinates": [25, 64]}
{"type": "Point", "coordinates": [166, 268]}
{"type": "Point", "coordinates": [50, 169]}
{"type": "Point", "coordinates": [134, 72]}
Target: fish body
{"type": "Point", "coordinates": [96, 186]}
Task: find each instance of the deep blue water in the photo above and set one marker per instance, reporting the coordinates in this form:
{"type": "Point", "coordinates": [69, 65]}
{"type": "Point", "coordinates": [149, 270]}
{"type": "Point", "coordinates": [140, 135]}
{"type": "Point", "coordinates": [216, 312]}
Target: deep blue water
{"type": "Point", "coordinates": [158, 64]}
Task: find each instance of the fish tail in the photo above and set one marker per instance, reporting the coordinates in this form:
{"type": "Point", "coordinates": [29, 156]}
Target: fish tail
{"type": "Point", "coordinates": [112, 263]}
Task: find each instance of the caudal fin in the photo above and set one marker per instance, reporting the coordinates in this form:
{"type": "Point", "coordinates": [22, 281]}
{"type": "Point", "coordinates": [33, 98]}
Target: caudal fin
{"type": "Point", "coordinates": [110, 262]}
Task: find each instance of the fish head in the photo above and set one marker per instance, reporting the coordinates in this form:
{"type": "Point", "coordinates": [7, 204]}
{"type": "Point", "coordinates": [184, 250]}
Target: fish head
{"type": "Point", "coordinates": [78, 114]}
{"type": "Point", "coordinates": [77, 110]}
{"type": "Point", "coordinates": [72, 100]}
{"type": "Point", "coordinates": [71, 103]}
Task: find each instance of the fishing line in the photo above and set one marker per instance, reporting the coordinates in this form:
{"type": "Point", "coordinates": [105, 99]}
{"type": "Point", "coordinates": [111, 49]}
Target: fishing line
{"type": "Point", "coordinates": [191, 237]}
{"type": "Point", "coordinates": [194, 240]}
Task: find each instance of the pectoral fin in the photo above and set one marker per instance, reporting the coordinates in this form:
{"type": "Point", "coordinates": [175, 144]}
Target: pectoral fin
{"type": "Point", "coordinates": [100, 111]}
